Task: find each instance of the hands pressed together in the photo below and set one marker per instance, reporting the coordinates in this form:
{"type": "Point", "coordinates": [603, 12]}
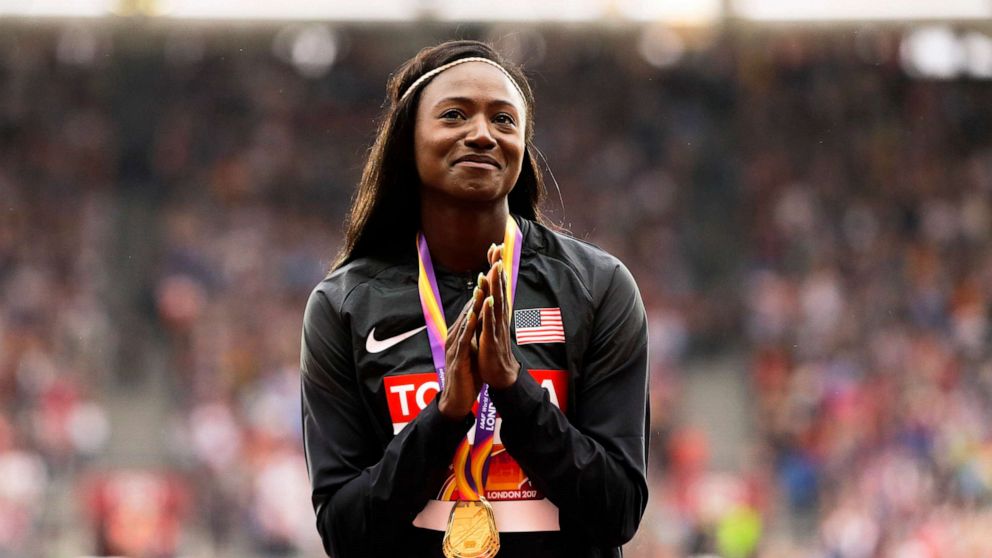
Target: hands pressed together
{"type": "Point", "coordinates": [477, 350]}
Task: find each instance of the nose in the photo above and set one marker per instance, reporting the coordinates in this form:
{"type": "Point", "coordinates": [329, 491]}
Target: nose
{"type": "Point", "coordinates": [479, 135]}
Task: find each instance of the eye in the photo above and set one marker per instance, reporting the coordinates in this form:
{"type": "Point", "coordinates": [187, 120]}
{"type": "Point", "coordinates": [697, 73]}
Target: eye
{"type": "Point", "coordinates": [504, 118]}
{"type": "Point", "coordinates": [451, 114]}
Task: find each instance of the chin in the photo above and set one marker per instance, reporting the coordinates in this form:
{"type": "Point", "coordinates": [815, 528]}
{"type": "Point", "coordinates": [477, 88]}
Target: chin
{"type": "Point", "coordinates": [473, 191]}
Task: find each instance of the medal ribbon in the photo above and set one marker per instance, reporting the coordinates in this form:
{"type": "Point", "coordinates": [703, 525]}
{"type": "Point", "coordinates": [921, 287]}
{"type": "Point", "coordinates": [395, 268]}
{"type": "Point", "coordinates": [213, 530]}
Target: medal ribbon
{"type": "Point", "coordinates": [471, 463]}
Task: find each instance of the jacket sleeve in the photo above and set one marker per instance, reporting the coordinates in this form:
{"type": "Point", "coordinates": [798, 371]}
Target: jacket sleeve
{"type": "Point", "coordinates": [592, 467]}
{"type": "Point", "coordinates": [364, 496]}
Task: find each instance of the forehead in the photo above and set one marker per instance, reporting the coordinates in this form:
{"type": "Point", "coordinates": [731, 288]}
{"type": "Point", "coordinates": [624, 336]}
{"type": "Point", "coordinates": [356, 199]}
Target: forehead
{"type": "Point", "coordinates": [473, 80]}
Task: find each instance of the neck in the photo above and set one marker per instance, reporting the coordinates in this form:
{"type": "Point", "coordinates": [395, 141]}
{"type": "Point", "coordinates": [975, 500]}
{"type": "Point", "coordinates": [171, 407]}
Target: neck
{"type": "Point", "coordinates": [459, 236]}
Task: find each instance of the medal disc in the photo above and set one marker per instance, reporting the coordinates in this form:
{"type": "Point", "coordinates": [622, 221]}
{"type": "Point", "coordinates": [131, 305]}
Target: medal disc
{"type": "Point", "coordinates": [471, 531]}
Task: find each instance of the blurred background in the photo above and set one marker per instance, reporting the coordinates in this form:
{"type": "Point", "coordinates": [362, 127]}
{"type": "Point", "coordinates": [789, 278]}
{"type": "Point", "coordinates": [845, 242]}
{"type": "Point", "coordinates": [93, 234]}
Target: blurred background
{"type": "Point", "coordinates": [801, 189]}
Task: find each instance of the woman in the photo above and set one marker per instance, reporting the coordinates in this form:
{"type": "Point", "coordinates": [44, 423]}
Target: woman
{"type": "Point", "coordinates": [445, 229]}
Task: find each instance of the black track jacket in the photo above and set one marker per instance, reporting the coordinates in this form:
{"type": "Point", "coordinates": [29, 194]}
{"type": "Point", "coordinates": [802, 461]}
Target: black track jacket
{"type": "Point", "coordinates": [563, 484]}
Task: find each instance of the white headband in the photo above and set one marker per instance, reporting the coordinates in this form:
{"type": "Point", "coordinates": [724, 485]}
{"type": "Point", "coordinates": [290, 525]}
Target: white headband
{"type": "Point", "coordinates": [439, 69]}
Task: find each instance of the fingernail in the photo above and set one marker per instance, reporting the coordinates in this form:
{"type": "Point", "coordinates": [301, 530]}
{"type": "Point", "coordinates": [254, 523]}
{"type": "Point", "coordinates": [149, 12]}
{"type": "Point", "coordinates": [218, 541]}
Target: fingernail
{"type": "Point", "coordinates": [490, 301]}
{"type": "Point", "coordinates": [478, 280]}
{"type": "Point", "coordinates": [476, 292]}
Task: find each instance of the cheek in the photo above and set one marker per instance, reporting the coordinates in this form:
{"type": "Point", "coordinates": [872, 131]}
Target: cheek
{"type": "Point", "coordinates": [426, 138]}
{"type": "Point", "coordinates": [432, 145]}
{"type": "Point", "coordinates": [517, 151]}
{"type": "Point", "coordinates": [428, 154]}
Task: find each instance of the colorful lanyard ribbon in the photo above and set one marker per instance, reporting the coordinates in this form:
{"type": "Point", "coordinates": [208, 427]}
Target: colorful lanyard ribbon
{"type": "Point", "coordinates": [470, 472]}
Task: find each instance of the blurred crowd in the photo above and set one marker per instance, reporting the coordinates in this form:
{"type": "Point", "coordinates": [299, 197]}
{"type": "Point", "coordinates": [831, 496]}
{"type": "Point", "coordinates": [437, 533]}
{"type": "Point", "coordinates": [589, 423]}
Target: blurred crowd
{"type": "Point", "coordinates": [867, 300]}
{"type": "Point", "coordinates": [792, 198]}
{"type": "Point", "coordinates": [57, 339]}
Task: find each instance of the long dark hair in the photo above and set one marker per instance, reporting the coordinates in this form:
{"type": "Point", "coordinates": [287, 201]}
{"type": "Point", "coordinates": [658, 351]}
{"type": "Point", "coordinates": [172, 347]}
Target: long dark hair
{"type": "Point", "coordinates": [385, 211]}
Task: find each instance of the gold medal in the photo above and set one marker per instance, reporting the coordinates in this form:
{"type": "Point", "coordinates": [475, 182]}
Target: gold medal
{"type": "Point", "coordinates": [471, 531]}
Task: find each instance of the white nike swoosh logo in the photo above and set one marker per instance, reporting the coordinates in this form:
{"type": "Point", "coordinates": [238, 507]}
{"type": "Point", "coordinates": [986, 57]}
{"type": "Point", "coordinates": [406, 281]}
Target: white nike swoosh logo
{"type": "Point", "coordinates": [373, 345]}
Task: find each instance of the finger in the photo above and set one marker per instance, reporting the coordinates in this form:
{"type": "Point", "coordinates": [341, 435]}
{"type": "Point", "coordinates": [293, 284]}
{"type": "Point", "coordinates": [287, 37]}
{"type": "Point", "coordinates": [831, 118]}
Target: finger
{"type": "Point", "coordinates": [507, 301]}
{"type": "Point", "coordinates": [474, 306]}
{"type": "Point", "coordinates": [488, 333]}
{"type": "Point", "coordinates": [495, 253]}
{"type": "Point", "coordinates": [484, 323]}
{"type": "Point", "coordinates": [457, 330]}
{"type": "Point", "coordinates": [478, 299]}
{"type": "Point", "coordinates": [498, 291]}
{"type": "Point", "coordinates": [492, 291]}
{"type": "Point", "coordinates": [457, 326]}
{"type": "Point", "coordinates": [456, 351]}
{"type": "Point", "coordinates": [479, 294]}
{"type": "Point", "coordinates": [499, 294]}
{"type": "Point", "coordinates": [475, 301]}
{"type": "Point", "coordinates": [463, 312]}
{"type": "Point", "coordinates": [491, 278]}
{"type": "Point", "coordinates": [482, 283]}
{"type": "Point", "coordinates": [468, 331]}
{"type": "Point", "coordinates": [451, 352]}
{"type": "Point", "coordinates": [506, 311]}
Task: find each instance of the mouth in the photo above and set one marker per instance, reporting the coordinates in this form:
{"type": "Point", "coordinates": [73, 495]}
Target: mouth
{"type": "Point", "coordinates": [478, 161]}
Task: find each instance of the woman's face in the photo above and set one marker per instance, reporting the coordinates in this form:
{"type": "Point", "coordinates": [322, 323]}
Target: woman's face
{"type": "Point", "coordinates": [469, 135]}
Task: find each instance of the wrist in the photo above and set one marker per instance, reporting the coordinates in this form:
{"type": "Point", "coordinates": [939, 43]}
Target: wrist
{"type": "Point", "coordinates": [504, 381]}
{"type": "Point", "coordinates": [452, 411]}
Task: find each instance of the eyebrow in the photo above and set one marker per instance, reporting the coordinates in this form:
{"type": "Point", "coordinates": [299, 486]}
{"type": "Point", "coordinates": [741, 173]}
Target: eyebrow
{"type": "Point", "coordinates": [471, 101]}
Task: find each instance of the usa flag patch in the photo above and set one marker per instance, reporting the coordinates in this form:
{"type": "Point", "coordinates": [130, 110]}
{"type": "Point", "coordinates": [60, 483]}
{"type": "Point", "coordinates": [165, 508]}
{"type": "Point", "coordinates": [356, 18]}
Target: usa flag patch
{"type": "Point", "coordinates": [538, 325]}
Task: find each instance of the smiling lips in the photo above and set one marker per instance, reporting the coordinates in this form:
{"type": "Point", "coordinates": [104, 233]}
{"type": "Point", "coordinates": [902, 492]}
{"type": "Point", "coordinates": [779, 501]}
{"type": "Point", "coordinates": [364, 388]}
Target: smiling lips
{"type": "Point", "coordinates": [477, 161]}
